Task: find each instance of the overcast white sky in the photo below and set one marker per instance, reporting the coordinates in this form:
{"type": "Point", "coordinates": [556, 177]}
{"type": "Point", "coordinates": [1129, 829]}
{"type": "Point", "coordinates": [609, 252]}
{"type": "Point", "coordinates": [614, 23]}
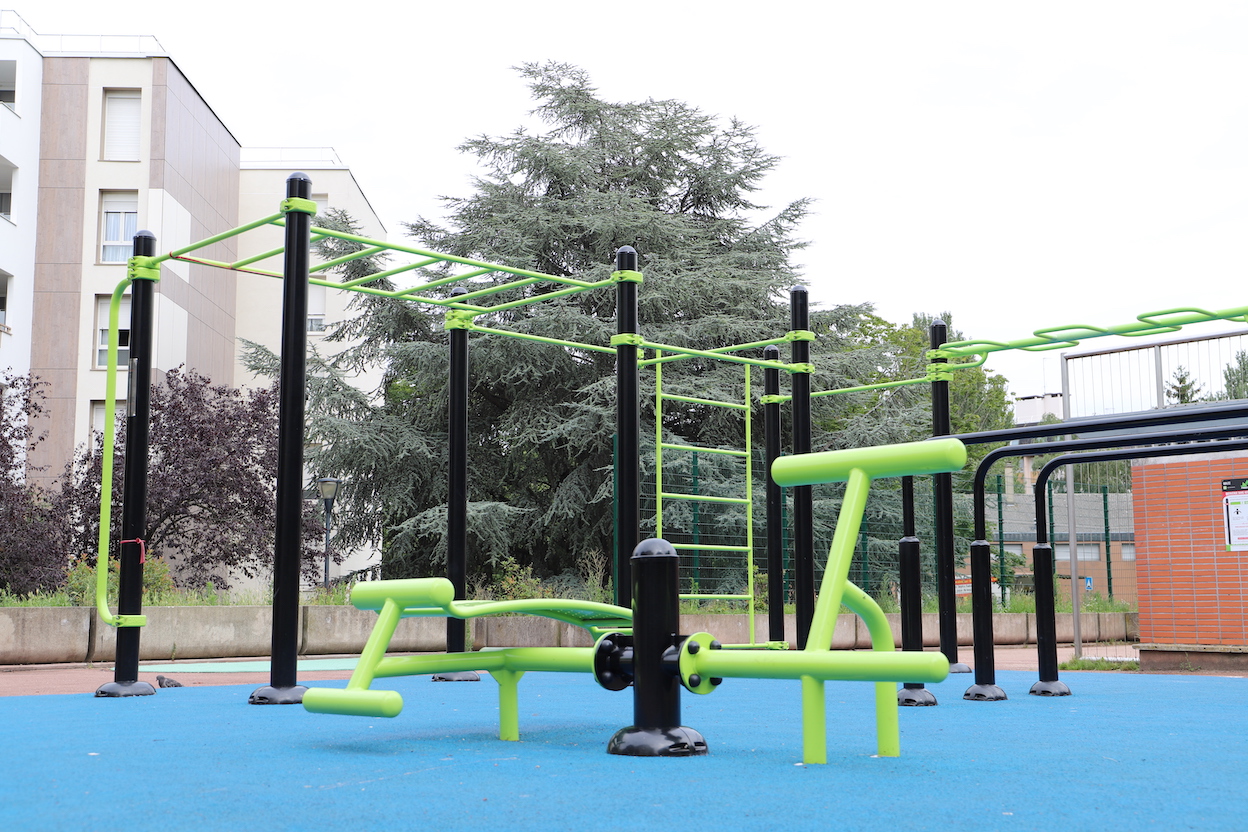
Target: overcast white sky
{"type": "Point", "coordinates": [1022, 165]}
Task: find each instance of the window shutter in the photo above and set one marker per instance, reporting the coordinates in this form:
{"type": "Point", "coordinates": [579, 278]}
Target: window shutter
{"type": "Point", "coordinates": [122, 118]}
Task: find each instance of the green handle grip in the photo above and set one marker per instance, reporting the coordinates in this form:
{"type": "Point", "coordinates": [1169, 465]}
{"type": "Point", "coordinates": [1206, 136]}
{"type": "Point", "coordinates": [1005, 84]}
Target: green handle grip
{"type": "Point", "coordinates": [387, 703]}
{"type": "Point", "coordinates": [407, 592]}
{"type": "Point", "coordinates": [908, 459]}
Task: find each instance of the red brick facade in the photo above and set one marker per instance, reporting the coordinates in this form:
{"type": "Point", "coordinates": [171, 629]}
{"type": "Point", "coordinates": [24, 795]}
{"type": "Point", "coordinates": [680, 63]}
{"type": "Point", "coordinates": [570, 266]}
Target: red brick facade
{"type": "Point", "coordinates": [1191, 590]}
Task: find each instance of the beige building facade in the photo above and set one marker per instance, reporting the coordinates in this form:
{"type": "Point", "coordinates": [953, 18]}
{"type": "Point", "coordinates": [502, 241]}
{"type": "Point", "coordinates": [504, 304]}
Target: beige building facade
{"type": "Point", "coordinates": [101, 137]}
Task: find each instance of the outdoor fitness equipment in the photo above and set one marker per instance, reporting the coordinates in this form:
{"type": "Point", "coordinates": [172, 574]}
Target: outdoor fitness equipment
{"type": "Point", "coordinates": [651, 656]}
{"type": "Point", "coordinates": [462, 308]}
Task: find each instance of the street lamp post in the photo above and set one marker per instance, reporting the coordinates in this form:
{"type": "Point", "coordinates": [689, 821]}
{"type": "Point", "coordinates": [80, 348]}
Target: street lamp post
{"type": "Point", "coordinates": [328, 488]}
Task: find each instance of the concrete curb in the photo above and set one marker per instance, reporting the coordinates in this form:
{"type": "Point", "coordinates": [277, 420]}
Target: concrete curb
{"type": "Point", "coordinates": [48, 635]}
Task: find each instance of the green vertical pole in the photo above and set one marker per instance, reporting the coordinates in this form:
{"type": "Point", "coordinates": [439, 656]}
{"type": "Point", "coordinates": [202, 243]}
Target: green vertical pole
{"type": "Point", "coordinates": [696, 519]}
{"type": "Point", "coordinates": [1109, 569]}
{"type": "Point", "coordinates": [1049, 489]}
{"type": "Point", "coordinates": [1001, 581]}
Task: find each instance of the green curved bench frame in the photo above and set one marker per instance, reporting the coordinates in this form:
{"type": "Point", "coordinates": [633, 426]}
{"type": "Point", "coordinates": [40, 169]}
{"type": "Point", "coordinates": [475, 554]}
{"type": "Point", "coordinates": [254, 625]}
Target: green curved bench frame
{"type": "Point", "coordinates": [814, 665]}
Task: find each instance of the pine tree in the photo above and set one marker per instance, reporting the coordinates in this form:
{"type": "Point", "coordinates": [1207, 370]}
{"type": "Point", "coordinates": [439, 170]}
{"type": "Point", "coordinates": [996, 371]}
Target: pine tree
{"type": "Point", "coordinates": [661, 176]}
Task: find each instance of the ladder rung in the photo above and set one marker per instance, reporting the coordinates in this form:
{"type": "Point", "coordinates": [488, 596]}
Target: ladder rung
{"type": "Point", "coordinates": [740, 501]}
{"type": "Point", "coordinates": [711, 402]}
{"type": "Point", "coordinates": [710, 547]}
{"type": "Point", "coordinates": [694, 597]}
{"type": "Point", "coordinates": [670, 447]}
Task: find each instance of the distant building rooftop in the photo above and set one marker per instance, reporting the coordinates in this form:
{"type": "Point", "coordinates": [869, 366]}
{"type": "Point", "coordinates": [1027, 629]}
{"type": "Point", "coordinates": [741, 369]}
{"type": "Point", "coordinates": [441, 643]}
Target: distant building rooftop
{"type": "Point", "coordinates": [62, 46]}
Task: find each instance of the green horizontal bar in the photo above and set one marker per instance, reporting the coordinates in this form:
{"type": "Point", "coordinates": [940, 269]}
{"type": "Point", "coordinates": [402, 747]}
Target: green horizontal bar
{"type": "Point", "coordinates": [1061, 337]}
{"type": "Point", "coordinates": [710, 547]}
{"type": "Point", "coordinates": [712, 402]}
{"type": "Point", "coordinates": [449, 258]}
{"type": "Point", "coordinates": [347, 258]}
{"type": "Point", "coordinates": [682, 354]}
{"type": "Point", "coordinates": [703, 499]}
{"type": "Point", "coordinates": [883, 385]}
{"type": "Point", "coordinates": [225, 235]}
{"type": "Point", "coordinates": [543, 340]}
{"type": "Point", "coordinates": [697, 596]}
{"type": "Point", "coordinates": [700, 450]}
{"type": "Point", "coordinates": [718, 356]}
{"type": "Point", "coordinates": [545, 296]}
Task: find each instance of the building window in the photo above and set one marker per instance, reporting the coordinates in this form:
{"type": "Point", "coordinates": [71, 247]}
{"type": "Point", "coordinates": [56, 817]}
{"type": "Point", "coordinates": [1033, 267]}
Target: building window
{"type": "Point", "coordinates": [7, 174]}
{"type": "Point", "coordinates": [1128, 551]}
{"type": "Point", "coordinates": [101, 332]}
{"type": "Point", "coordinates": [1084, 551]}
{"type": "Point", "coordinates": [119, 222]}
{"type": "Point", "coordinates": [4, 299]}
{"type": "Point", "coordinates": [8, 84]}
{"type": "Point", "coordinates": [122, 118]}
{"type": "Point", "coordinates": [97, 417]}
{"type": "Point", "coordinates": [316, 308]}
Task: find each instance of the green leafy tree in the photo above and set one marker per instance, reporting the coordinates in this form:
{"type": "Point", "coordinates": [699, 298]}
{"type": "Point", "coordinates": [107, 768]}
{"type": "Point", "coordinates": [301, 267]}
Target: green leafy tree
{"type": "Point", "coordinates": [1182, 387]}
{"type": "Point", "coordinates": [211, 484]}
{"type": "Point", "coordinates": [1235, 378]}
{"type": "Point", "coordinates": [659, 175]}
{"type": "Point", "coordinates": [32, 552]}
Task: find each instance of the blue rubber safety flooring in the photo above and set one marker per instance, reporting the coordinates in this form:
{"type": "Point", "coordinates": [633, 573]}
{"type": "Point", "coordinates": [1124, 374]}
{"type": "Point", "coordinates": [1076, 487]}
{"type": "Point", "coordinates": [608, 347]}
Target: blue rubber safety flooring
{"type": "Point", "coordinates": [1126, 751]}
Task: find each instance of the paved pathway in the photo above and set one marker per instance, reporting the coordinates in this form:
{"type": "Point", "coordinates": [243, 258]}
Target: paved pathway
{"type": "Point", "coordinates": [29, 680]}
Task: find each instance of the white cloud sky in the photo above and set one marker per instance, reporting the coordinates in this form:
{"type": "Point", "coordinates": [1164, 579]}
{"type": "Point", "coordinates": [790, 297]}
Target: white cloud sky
{"type": "Point", "coordinates": [1022, 165]}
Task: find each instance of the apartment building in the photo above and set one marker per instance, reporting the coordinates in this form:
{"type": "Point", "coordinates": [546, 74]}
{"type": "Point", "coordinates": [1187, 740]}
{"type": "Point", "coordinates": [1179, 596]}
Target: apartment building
{"type": "Point", "coordinates": [101, 136]}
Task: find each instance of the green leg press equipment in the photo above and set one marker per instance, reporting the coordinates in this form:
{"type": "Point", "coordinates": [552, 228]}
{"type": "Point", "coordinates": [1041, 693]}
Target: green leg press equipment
{"type": "Point", "coordinates": [699, 664]}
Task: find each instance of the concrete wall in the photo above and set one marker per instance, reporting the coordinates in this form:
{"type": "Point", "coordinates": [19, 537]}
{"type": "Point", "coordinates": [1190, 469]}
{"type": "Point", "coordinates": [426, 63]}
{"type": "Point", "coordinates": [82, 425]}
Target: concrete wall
{"type": "Point", "coordinates": [47, 635]}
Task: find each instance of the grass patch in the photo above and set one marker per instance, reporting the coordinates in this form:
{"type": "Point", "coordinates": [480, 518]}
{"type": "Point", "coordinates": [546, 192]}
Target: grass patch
{"type": "Point", "coordinates": [1100, 664]}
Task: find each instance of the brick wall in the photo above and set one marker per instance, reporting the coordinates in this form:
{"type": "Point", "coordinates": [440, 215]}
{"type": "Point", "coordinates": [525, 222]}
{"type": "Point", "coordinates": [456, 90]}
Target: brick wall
{"type": "Point", "coordinates": [1191, 590]}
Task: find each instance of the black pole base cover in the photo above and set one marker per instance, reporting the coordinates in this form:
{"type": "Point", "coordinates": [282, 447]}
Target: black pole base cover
{"type": "Point", "coordinates": [984, 693]}
{"type": "Point", "coordinates": [457, 676]}
{"type": "Point", "coordinates": [919, 697]}
{"type": "Point", "coordinates": [1054, 688]}
{"type": "Point", "coordinates": [270, 695]}
{"type": "Point", "coordinates": [113, 689]}
{"type": "Point", "coordinates": [657, 742]}
{"type": "Point", "coordinates": [959, 667]}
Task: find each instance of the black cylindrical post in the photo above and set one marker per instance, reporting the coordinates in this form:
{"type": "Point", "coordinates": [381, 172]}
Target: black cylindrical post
{"type": "Point", "coordinates": [908, 569]}
{"type": "Point", "coordinates": [457, 495]}
{"type": "Point", "coordinates": [985, 688]}
{"type": "Point", "coordinates": [656, 730]}
{"type": "Point", "coordinates": [775, 496]}
{"type": "Point", "coordinates": [803, 495]}
{"type": "Point", "coordinates": [627, 423]}
{"type": "Point", "coordinates": [1046, 606]}
{"type": "Point", "coordinates": [942, 494]}
{"type": "Point", "coordinates": [283, 687]}
{"type": "Point", "coordinates": [131, 550]}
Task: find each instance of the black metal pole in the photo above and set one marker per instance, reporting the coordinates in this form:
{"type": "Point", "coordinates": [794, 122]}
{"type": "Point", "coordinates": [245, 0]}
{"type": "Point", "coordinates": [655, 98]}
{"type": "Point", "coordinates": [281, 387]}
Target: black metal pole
{"type": "Point", "coordinates": [627, 424]}
{"type": "Point", "coordinates": [1042, 554]}
{"type": "Point", "coordinates": [283, 687]}
{"type": "Point", "coordinates": [656, 730]}
{"type": "Point", "coordinates": [803, 495]}
{"type": "Point", "coordinates": [131, 549]}
{"type": "Point", "coordinates": [1046, 611]}
{"type": "Point", "coordinates": [908, 573]}
{"type": "Point", "coordinates": [942, 493]}
{"type": "Point", "coordinates": [457, 495]}
{"type": "Point", "coordinates": [775, 497]}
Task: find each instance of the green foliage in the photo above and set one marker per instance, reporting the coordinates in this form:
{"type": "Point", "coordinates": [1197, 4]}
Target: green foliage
{"type": "Point", "coordinates": [1182, 387]}
{"type": "Point", "coordinates": [661, 176]}
{"type": "Point", "coordinates": [80, 580]}
{"type": "Point", "coordinates": [1100, 664]}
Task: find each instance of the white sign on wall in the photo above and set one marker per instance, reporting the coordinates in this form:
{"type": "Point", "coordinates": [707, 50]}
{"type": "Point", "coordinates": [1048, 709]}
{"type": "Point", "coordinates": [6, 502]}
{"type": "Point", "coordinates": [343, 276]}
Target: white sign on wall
{"type": "Point", "coordinates": [1235, 512]}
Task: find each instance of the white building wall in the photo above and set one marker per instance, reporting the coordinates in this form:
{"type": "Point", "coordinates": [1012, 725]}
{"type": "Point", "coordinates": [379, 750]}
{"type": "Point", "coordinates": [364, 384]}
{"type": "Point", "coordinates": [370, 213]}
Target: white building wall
{"type": "Point", "coordinates": [19, 155]}
{"type": "Point", "coordinates": [259, 314]}
{"type": "Point", "coordinates": [100, 279]}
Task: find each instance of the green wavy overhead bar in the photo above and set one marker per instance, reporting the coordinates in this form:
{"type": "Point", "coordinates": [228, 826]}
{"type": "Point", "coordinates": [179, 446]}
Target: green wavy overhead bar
{"type": "Point", "coordinates": [461, 312]}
